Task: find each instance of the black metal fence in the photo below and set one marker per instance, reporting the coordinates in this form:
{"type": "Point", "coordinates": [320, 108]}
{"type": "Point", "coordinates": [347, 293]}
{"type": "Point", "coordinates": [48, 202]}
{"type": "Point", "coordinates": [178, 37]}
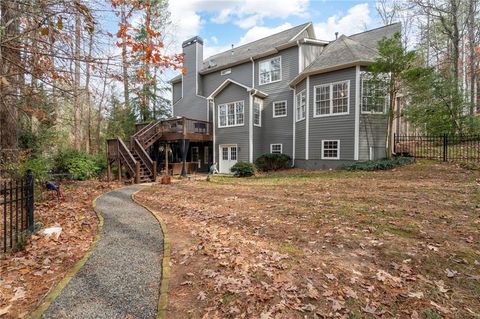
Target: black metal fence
{"type": "Point", "coordinates": [16, 211]}
{"type": "Point", "coordinates": [447, 148]}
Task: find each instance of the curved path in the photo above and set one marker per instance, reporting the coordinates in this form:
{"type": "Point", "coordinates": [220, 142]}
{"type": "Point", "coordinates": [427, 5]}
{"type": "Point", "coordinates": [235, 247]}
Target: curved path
{"type": "Point", "coordinates": [121, 279]}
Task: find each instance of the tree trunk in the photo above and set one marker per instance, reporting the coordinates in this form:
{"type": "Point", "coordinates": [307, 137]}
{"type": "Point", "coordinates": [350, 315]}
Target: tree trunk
{"type": "Point", "coordinates": [126, 94]}
{"type": "Point", "coordinates": [10, 59]}
{"type": "Point", "coordinates": [76, 85]}
{"type": "Point", "coordinates": [88, 141]}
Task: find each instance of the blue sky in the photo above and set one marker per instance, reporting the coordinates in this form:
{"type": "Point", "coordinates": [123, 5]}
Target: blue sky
{"type": "Point", "coordinates": [223, 23]}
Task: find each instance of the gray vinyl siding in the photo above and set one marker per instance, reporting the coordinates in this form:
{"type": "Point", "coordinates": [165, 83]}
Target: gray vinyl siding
{"type": "Point", "coordinates": [258, 139]}
{"type": "Point", "coordinates": [240, 73]}
{"type": "Point", "coordinates": [373, 131]}
{"type": "Point", "coordinates": [289, 71]}
{"type": "Point", "coordinates": [176, 91]}
{"type": "Point", "coordinates": [300, 129]}
{"type": "Point", "coordinates": [336, 127]}
{"type": "Point", "coordinates": [192, 105]}
{"type": "Point", "coordinates": [278, 130]}
{"type": "Point", "coordinates": [233, 135]}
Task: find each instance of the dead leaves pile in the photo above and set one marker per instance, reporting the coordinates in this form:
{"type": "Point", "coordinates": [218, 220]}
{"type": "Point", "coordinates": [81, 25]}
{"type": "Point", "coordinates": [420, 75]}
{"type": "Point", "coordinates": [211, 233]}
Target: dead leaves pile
{"type": "Point", "coordinates": [28, 275]}
{"type": "Point", "coordinates": [250, 259]}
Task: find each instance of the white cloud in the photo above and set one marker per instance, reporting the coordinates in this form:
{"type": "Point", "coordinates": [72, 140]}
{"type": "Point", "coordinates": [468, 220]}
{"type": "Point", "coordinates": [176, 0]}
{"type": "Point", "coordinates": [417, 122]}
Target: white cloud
{"type": "Point", "coordinates": [356, 20]}
{"type": "Point", "coordinates": [249, 13]}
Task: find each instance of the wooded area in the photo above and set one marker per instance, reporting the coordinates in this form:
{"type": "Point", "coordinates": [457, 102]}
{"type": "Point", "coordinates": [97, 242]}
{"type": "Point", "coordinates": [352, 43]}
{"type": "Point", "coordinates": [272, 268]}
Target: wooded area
{"type": "Point", "coordinates": [66, 82]}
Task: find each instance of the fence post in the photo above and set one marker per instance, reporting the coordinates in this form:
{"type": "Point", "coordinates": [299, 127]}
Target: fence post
{"type": "Point", "coordinates": [30, 201]}
{"type": "Point", "coordinates": [445, 147]}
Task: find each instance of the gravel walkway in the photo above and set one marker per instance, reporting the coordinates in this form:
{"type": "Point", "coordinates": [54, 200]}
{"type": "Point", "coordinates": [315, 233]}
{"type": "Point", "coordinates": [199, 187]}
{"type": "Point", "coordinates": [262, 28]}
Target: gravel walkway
{"type": "Point", "coordinates": [121, 279]}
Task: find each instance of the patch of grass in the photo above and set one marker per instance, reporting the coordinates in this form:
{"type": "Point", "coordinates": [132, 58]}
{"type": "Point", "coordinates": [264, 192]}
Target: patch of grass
{"type": "Point", "coordinates": [227, 298]}
{"type": "Point", "coordinates": [291, 250]}
{"type": "Point", "coordinates": [430, 314]}
{"type": "Point", "coordinates": [404, 231]}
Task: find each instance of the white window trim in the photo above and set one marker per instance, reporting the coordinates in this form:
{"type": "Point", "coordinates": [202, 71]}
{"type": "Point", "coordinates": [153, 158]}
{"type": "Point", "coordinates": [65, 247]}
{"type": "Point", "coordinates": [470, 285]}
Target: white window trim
{"type": "Point", "coordinates": [235, 125]}
{"type": "Point", "coordinates": [301, 119]}
{"type": "Point", "coordinates": [262, 61]}
{"type": "Point", "coordinates": [286, 108]}
{"type": "Point", "coordinates": [260, 113]}
{"type": "Point", "coordinates": [331, 99]}
{"type": "Point", "coordinates": [226, 71]}
{"type": "Point", "coordinates": [338, 151]}
{"type": "Point", "coordinates": [281, 147]}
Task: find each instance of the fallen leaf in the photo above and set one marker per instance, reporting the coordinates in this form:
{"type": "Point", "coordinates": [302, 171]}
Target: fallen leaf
{"type": "Point", "coordinates": [418, 294]}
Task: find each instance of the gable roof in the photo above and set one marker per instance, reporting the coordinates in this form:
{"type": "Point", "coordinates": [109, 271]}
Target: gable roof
{"type": "Point", "coordinates": [359, 49]}
{"type": "Point", "coordinates": [230, 81]}
{"type": "Point", "coordinates": [264, 46]}
{"type": "Point", "coordinates": [261, 47]}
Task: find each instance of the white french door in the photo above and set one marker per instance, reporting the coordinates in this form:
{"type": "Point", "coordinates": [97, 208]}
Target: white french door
{"type": "Point", "coordinates": [228, 157]}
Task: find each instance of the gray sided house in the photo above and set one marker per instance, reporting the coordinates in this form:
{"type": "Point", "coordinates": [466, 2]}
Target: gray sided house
{"type": "Point", "coordinates": [287, 93]}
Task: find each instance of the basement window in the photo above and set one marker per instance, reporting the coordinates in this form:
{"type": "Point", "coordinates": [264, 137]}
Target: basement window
{"type": "Point", "coordinates": [330, 149]}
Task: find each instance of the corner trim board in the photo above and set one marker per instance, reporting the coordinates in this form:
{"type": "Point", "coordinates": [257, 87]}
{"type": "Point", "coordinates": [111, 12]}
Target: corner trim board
{"type": "Point", "coordinates": [357, 114]}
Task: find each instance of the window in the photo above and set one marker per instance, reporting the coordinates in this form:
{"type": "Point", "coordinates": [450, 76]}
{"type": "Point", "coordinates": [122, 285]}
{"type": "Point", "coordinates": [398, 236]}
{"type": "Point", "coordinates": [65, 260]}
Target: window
{"type": "Point", "coordinates": [374, 95]}
{"type": "Point", "coordinates": [257, 111]}
{"type": "Point", "coordinates": [226, 71]}
{"type": "Point", "coordinates": [206, 155]}
{"type": "Point", "coordinates": [276, 148]}
{"type": "Point", "coordinates": [322, 99]}
{"type": "Point", "coordinates": [300, 106]}
{"type": "Point", "coordinates": [332, 99]}
{"type": "Point", "coordinates": [233, 153]}
{"type": "Point", "coordinates": [280, 109]}
{"type": "Point", "coordinates": [330, 149]}
{"type": "Point", "coordinates": [270, 70]}
{"type": "Point", "coordinates": [225, 153]}
{"type": "Point", "coordinates": [230, 114]}
{"type": "Point", "coordinates": [195, 154]}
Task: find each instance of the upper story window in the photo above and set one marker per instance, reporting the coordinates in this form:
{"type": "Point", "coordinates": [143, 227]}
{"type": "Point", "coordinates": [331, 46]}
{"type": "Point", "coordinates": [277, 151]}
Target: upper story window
{"type": "Point", "coordinates": [279, 108]}
{"type": "Point", "coordinates": [300, 106]}
{"type": "Point", "coordinates": [226, 71]}
{"type": "Point", "coordinates": [231, 114]}
{"type": "Point", "coordinates": [374, 96]}
{"type": "Point", "coordinates": [270, 70]}
{"type": "Point", "coordinates": [332, 99]}
{"type": "Point", "coordinates": [257, 111]}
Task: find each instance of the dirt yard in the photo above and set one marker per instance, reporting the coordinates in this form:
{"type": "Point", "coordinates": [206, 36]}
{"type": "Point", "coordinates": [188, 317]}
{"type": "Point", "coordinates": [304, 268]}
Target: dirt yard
{"type": "Point", "coordinates": [28, 275]}
{"type": "Point", "coordinates": [390, 244]}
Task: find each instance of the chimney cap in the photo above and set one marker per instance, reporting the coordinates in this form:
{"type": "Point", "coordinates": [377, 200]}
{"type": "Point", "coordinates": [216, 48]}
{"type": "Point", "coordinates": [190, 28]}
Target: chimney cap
{"type": "Point", "coordinates": [191, 41]}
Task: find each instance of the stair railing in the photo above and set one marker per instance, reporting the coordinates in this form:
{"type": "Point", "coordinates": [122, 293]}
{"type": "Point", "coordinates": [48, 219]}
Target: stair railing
{"type": "Point", "coordinates": [144, 157]}
{"type": "Point", "coordinates": [130, 162]}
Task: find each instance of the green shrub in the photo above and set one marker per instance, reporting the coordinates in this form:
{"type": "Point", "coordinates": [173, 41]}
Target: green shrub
{"type": "Point", "coordinates": [40, 168]}
{"type": "Point", "coordinates": [80, 165]}
{"type": "Point", "coordinates": [273, 162]}
{"type": "Point", "coordinates": [380, 164]}
{"type": "Point", "coordinates": [243, 169]}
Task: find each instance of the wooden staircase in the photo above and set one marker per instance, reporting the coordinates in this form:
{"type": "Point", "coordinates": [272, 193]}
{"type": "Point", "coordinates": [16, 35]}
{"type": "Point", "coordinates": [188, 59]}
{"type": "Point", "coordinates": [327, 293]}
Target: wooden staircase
{"type": "Point", "coordinates": [135, 157]}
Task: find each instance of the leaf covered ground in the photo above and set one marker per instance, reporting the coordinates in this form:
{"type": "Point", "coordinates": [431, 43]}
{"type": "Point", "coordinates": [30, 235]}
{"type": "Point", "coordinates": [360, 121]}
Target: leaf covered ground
{"type": "Point", "coordinates": [393, 244]}
{"type": "Point", "coordinates": [28, 275]}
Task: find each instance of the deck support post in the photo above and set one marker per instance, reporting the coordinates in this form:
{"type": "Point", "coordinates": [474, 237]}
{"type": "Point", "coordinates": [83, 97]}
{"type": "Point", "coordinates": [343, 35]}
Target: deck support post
{"type": "Point", "coordinates": [119, 170]}
{"type": "Point", "coordinates": [109, 171]}
{"type": "Point", "coordinates": [184, 151]}
{"type": "Point", "coordinates": [154, 171]}
{"type": "Point", "coordinates": [137, 172]}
